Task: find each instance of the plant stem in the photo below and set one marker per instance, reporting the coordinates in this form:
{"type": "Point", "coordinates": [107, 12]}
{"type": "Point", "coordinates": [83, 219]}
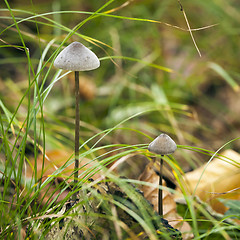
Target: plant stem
{"type": "Point", "coordinates": [160, 199]}
{"type": "Point", "coordinates": [77, 126]}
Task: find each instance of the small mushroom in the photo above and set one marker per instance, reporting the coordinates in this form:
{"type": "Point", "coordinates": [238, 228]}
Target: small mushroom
{"type": "Point", "coordinates": [76, 57]}
{"type": "Point", "coordinates": [162, 145]}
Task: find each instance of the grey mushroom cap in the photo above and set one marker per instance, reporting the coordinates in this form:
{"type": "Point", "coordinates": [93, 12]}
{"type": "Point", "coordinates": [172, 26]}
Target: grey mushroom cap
{"type": "Point", "coordinates": [76, 57]}
{"type": "Point", "coordinates": [163, 145]}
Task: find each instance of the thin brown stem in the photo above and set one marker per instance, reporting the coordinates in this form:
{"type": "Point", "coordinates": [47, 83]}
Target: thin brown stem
{"type": "Point", "coordinates": [77, 123]}
{"type": "Point", "coordinates": [160, 199]}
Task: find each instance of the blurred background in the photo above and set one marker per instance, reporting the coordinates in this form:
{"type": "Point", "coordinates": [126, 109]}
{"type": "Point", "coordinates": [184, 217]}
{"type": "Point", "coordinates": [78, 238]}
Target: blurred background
{"type": "Point", "coordinates": [150, 68]}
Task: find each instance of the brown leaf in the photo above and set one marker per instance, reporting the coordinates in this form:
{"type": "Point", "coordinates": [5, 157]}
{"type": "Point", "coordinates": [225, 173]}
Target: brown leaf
{"type": "Point", "coordinates": [53, 160]}
{"type": "Point", "coordinates": [218, 179]}
{"type": "Point", "coordinates": [169, 205]}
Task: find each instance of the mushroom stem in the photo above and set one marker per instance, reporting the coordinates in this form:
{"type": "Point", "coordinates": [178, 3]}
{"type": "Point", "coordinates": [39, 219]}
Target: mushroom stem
{"type": "Point", "coordinates": [162, 145]}
{"type": "Point", "coordinates": [77, 126]}
{"type": "Point", "coordinates": [76, 57]}
{"type": "Point", "coordinates": [160, 199]}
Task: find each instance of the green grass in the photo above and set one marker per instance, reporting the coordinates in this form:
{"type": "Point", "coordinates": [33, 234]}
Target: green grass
{"type": "Point", "coordinates": [151, 80]}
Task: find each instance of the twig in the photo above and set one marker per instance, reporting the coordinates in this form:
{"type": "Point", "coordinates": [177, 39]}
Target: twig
{"type": "Point", "coordinates": [189, 28]}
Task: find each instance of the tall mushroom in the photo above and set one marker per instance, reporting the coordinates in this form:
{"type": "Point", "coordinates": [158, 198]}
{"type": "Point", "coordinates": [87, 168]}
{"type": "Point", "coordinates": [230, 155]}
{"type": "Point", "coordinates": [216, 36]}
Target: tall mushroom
{"type": "Point", "coordinates": [162, 145]}
{"type": "Point", "coordinates": [76, 57]}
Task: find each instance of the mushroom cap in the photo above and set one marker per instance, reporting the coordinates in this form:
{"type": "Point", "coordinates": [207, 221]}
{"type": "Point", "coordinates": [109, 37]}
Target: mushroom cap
{"type": "Point", "coordinates": [163, 145]}
{"type": "Point", "coordinates": [76, 57]}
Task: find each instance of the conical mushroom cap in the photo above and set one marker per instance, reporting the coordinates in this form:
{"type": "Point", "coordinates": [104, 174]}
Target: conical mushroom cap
{"type": "Point", "coordinates": [76, 57]}
{"type": "Point", "coordinates": [163, 145]}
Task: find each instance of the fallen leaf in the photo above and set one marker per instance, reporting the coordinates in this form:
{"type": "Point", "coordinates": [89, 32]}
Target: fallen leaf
{"type": "Point", "coordinates": [53, 160]}
{"type": "Point", "coordinates": [169, 205]}
{"type": "Point", "coordinates": [218, 179]}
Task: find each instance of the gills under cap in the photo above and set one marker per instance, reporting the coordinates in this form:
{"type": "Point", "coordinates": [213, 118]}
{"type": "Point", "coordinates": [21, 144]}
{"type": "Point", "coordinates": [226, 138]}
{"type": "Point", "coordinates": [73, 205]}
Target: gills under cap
{"type": "Point", "coordinates": [76, 57]}
{"type": "Point", "coordinates": [163, 145]}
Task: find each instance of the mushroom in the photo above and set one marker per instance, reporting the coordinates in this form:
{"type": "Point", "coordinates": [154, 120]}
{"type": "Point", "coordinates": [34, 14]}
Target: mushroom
{"type": "Point", "coordinates": [76, 57]}
{"type": "Point", "coordinates": [162, 145]}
